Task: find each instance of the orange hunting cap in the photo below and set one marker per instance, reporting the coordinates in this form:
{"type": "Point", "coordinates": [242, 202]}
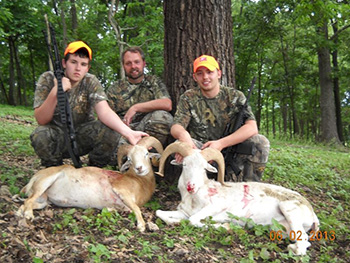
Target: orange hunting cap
{"type": "Point", "coordinates": [74, 46]}
{"type": "Point", "coordinates": [205, 61]}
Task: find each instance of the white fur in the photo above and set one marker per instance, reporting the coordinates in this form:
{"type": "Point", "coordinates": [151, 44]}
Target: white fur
{"type": "Point", "coordinates": [202, 198]}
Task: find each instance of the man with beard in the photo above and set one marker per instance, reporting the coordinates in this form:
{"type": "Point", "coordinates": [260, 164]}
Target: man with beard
{"type": "Point", "coordinates": [141, 100]}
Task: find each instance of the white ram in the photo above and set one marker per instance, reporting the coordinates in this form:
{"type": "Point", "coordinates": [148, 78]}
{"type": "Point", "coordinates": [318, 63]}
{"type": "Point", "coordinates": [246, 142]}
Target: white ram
{"type": "Point", "coordinates": [261, 202]}
{"type": "Point", "coordinates": [66, 186]}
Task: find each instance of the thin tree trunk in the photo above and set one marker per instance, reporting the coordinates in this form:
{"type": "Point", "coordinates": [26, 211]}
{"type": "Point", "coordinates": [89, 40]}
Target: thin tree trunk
{"type": "Point", "coordinates": [11, 93]}
{"type": "Point", "coordinates": [64, 25]}
{"type": "Point", "coordinates": [73, 11]}
{"type": "Point", "coordinates": [32, 66]}
{"type": "Point", "coordinates": [2, 86]}
{"type": "Point", "coordinates": [336, 87]}
{"type": "Point", "coordinates": [21, 83]}
{"type": "Point", "coordinates": [118, 33]}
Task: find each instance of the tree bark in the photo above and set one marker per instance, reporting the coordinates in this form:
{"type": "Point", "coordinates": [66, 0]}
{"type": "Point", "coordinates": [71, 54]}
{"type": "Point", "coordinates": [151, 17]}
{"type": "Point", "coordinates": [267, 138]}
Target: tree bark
{"type": "Point", "coordinates": [193, 28]}
{"type": "Point", "coordinates": [3, 90]}
{"type": "Point", "coordinates": [328, 126]}
{"type": "Point", "coordinates": [64, 25]}
{"type": "Point", "coordinates": [336, 86]}
{"type": "Point", "coordinates": [73, 11]}
{"type": "Point", "coordinates": [21, 82]}
{"type": "Point", "coordinates": [12, 72]}
{"type": "Point", "coordinates": [113, 7]}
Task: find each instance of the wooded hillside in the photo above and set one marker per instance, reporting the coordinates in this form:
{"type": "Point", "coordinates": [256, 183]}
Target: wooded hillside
{"type": "Point", "coordinates": [297, 49]}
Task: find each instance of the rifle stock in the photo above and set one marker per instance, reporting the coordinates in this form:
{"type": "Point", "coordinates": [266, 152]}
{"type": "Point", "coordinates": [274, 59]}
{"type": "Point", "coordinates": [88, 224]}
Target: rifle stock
{"type": "Point", "coordinates": [62, 100]}
{"type": "Point", "coordinates": [245, 147]}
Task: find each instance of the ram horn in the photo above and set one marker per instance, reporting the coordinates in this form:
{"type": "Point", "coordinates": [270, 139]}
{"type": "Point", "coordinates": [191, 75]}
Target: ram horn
{"type": "Point", "coordinates": [150, 141]}
{"type": "Point", "coordinates": [122, 151]}
{"type": "Point", "coordinates": [215, 155]}
{"type": "Point", "coordinates": [176, 147]}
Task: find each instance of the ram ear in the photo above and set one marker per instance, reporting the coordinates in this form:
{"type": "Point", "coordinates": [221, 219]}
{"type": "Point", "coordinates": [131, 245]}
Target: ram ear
{"type": "Point", "coordinates": [154, 157]}
{"type": "Point", "coordinates": [125, 166]}
{"type": "Point", "coordinates": [174, 162]}
{"type": "Point", "coordinates": [211, 168]}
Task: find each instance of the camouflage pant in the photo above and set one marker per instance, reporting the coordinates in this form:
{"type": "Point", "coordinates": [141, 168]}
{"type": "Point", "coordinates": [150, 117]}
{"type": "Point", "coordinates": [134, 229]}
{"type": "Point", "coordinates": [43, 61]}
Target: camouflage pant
{"type": "Point", "coordinates": [156, 123]}
{"type": "Point", "coordinates": [251, 166]}
{"type": "Point", "coordinates": [93, 138]}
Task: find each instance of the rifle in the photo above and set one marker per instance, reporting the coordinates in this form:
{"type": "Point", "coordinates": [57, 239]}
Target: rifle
{"type": "Point", "coordinates": [229, 153]}
{"type": "Point", "coordinates": [62, 100]}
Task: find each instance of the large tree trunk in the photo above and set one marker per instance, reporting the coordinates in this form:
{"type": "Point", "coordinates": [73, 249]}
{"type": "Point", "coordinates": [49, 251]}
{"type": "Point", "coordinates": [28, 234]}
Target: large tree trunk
{"type": "Point", "coordinates": [328, 127]}
{"type": "Point", "coordinates": [193, 28]}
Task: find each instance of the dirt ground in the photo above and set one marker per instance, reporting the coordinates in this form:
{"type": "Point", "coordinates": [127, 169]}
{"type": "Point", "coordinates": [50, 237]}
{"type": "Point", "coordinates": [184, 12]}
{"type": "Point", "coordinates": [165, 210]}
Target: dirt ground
{"type": "Point", "coordinates": [23, 241]}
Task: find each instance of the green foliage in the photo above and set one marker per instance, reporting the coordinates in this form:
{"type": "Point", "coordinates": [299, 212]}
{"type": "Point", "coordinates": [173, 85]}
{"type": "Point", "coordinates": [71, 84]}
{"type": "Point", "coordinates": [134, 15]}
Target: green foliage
{"type": "Point", "coordinates": [277, 41]}
{"type": "Point", "coordinates": [99, 252]}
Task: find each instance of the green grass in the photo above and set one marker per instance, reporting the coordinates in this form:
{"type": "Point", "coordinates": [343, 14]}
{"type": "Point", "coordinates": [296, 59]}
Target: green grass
{"type": "Point", "coordinates": [15, 129]}
{"type": "Point", "coordinates": [319, 172]}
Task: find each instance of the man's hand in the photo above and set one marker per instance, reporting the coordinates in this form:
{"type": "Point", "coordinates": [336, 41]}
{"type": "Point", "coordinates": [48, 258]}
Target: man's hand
{"type": "Point", "coordinates": [129, 115]}
{"type": "Point", "coordinates": [66, 85]}
{"type": "Point", "coordinates": [134, 136]}
{"type": "Point", "coordinates": [213, 144]}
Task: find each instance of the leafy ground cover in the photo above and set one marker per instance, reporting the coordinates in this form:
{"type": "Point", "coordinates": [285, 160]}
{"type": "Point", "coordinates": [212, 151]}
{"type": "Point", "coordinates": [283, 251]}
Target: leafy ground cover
{"type": "Point", "coordinates": [320, 173]}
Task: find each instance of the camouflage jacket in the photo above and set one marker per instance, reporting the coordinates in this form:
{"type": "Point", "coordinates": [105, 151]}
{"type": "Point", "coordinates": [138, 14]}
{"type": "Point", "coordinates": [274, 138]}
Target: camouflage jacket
{"type": "Point", "coordinates": [123, 94]}
{"type": "Point", "coordinates": [82, 98]}
{"type": "Point", "coordinates": [206, 118]}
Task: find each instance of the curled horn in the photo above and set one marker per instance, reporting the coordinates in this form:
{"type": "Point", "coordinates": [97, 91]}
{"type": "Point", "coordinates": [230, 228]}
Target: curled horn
{"type": "Point", "coordinates": [122, 151]}
{"type": "Point", "coordinates": [176, 147]}
{"type": "Point", "coordinates": [146, 142]}
{"type": "Point", "coordinates": [216, 155]}
{"type": "Point", "coordinates": [151, 141]}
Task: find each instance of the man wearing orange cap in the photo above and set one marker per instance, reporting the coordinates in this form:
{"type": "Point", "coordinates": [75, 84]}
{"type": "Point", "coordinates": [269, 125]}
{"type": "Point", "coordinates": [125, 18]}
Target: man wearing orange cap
{"type": "Point", "coordinates": [203, 114]}
{"type": "Point", "coordinates": [98, 138]}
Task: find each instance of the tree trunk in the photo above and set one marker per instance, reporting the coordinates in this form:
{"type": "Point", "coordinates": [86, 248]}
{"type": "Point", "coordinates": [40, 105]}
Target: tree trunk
{"type": "Point", "coordinates": [12, 72]}
{"type": "Point", "coordinates": [64, 25]}
{"type": "Point", "coordinates": [73, 12]}
{"type": "Point", "coordinates": [294, 128]}
{"type": "Point", "coordinates": [113, 7]}
{"type": "Point", "coordinates": [336, 86]}
{"type": "Point", "coordinates": [193, 28]}
{"type": "Point", "coordinates": [32, 66]}
{"type": "Point", "coordinates": [3, 90]}
{"type": "Point", "coordinates": [328, 127]}
{"type": "Point", "coordinates": [21, 83]}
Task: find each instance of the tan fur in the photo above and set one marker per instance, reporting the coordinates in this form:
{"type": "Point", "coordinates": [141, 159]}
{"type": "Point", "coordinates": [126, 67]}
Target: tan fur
{"type": "Point", "coordinates": [94, 187]}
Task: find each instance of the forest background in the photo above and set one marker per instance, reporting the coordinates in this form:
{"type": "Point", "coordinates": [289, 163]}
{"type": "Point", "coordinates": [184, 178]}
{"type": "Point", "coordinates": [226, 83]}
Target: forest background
{"type": "Point", "coordinates": [277, 40]}
{"type": "Point", "coordinates": [282, 43]}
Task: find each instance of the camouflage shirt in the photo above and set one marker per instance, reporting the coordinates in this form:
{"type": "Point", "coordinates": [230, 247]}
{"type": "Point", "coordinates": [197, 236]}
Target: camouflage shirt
{"type": "Point", "coordinates": [82, 98]}
{"type": "Point", "coordinates": [206, 118]}
{"type": "Point", "coordinates": [123, 94]}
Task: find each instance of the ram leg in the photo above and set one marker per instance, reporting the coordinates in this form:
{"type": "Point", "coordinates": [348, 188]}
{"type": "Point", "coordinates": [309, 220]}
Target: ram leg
{"type": "Point", "coordinates": [295, 217]}
{"type": "Point", "coordinates": [127, 199]}
{"type": "Point", "coordinates": [171, 217]}
{"type": "Point", "coordinates": [38, 197]}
